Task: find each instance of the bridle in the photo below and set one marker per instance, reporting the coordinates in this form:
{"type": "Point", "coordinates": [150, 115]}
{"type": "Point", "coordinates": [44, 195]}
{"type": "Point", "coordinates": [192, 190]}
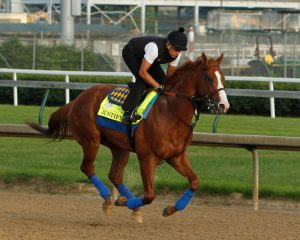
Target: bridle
{"type": "Point", "coordinates": [197, 102]}
{"type": "Point", "coordinates": [211, 105]}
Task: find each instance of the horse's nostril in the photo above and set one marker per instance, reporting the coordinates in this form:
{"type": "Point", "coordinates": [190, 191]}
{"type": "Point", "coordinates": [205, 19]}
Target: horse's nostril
{"type": "Point", "coordinates": [221, 107]}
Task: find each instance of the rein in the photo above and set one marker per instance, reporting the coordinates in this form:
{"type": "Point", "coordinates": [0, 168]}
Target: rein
{"type": "Point", "coordinates": [197, 103]}
{"type": "Point", "coordinates": [194, 100]}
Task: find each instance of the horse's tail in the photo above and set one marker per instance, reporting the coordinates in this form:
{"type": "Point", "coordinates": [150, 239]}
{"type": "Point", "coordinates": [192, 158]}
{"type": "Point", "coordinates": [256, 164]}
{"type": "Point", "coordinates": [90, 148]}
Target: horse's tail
{"type": "Point", "coordinates": [58, 125]}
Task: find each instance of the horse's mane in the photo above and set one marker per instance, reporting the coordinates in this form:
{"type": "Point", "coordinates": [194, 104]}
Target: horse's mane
{"type": "Point", "coordinates": [173, 79]}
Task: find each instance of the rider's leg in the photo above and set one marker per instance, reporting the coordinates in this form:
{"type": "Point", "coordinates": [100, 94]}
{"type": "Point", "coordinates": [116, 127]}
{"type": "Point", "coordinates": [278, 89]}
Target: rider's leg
{"type": "Point", "coordinates": [133, 99]}
{"type": "Point", "coordinates": [136, 92]}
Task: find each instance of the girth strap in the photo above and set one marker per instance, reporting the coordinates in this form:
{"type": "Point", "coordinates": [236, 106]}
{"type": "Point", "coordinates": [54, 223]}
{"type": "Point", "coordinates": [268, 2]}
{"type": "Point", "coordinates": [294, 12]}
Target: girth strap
{"type": "Point", "coordinates": [130, 136]}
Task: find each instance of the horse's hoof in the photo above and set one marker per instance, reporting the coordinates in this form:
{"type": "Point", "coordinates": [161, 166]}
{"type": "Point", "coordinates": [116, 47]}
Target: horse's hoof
{"type": "Point", "coordinates": [137, 215]}
{"type": "Point", "coordinates": [121, 201]}
{"type": "Point", "coordinates": [107, 206]}
{"type": "Point", "coordinates": [115, 194]}
{"type": "Point", "coordinates": [168, 211]}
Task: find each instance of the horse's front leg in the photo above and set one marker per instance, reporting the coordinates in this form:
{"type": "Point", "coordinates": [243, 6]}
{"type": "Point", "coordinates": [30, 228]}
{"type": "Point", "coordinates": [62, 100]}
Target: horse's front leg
{"type": "Point", "coordinates": [183, 166]}
{"type": "Point", "coordinates": [147, 168]}
{"type": "Point", "coordinates": [119, 162]}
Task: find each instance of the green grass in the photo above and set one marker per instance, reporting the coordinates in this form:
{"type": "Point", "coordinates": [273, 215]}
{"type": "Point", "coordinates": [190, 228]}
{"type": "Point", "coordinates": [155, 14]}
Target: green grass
{"type": "Point", "coordinates": [10, 114]}
{"type": "Point", "coordinates": [220, 170]}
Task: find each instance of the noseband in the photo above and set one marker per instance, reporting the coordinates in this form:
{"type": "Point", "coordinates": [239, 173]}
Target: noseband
{"type": "Point", "coordinates": [211, 105]}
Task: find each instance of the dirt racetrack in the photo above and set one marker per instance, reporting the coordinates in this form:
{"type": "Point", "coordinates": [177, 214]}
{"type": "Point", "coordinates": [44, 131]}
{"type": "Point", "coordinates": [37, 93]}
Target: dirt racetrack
{"type": "Point", "coordinates": [26, 214]}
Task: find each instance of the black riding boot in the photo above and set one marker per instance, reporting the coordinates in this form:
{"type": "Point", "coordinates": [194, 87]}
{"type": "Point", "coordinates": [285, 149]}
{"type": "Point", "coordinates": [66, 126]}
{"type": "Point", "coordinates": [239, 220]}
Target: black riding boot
{"type": "Point", "coordinates": [130, 117]}
{"type": "Point", "coordinates": [126, 118]}
{"type": "Point", "coordinates": [132, 101]}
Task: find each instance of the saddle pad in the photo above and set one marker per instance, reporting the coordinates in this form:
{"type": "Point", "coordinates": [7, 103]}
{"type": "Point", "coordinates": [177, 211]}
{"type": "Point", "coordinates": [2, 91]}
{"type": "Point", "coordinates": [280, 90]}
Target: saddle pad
{"type": "Point", "coordinates": [110, 114]}
{"type": "Point", "coordinates": [118, 95]}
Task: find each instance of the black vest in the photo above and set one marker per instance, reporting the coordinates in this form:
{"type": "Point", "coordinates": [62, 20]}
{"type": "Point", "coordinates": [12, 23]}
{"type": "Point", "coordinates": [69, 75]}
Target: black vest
{"type": "Point", "coordinates": [137, 46]}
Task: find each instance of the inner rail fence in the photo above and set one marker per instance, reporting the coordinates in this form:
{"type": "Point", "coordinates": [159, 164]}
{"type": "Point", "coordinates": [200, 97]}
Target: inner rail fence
{"type": "Point", "coordinates": [251, 143]}
{"type": "Point", "coordinates": [67, 85]}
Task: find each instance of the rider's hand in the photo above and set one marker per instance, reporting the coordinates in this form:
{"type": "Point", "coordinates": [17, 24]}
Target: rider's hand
{"type": "Point", "coordinates": [160, 89]}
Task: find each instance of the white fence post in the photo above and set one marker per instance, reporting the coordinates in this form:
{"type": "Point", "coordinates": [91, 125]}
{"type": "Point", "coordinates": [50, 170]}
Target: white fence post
{"type": "Point", "coordinates": [67, 92]}
{"type": "Point", "coordinates": [15, 90]}
{"type": "Point", "coordinates": [255, 178]}
{"type": "Point", "coordinates": [272, 101]}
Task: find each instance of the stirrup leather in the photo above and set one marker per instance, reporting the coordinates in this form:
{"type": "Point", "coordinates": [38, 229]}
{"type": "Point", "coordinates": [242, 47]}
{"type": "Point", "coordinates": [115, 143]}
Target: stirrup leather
{"type": "Point", "coordinates": [134, 116]}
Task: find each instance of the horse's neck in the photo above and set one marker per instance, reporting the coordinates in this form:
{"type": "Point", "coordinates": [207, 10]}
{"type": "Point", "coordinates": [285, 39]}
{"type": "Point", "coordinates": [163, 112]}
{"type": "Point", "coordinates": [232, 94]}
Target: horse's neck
{"type": "Point", "coordinates": [181, 105]}
{"type": "Point", "coordinates": [186, 85]}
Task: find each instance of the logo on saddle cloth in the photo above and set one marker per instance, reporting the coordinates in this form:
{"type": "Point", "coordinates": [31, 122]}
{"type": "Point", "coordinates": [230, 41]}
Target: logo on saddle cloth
{"type": "Point", "coordinates": [110, 112]}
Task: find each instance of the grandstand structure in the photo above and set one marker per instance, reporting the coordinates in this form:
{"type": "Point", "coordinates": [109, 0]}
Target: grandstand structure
{"type": "Point", "coordinates": [203, 14]}
{"type": "Point", "coordinates": [228, 26]}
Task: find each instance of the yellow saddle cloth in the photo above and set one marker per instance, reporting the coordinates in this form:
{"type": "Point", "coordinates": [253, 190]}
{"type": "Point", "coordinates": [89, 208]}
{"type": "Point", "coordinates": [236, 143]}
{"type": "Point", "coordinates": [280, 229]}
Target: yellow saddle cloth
{"type": "Point", "coordinates": [110, 112]}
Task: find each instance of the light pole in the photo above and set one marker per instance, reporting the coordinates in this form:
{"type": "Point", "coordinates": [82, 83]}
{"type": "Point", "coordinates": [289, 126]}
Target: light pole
{"type": "Point", "coordinates": [67, 23]}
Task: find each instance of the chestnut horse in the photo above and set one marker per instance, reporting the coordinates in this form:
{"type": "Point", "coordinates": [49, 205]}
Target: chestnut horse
{"type": "Point", "coordinates": [163, 136]}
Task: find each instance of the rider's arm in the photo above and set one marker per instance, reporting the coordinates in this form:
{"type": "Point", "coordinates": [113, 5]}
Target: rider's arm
{"type": "Point", "coordinates": [151, 53]}
{"type": "Point", "coordinates": [145, 75]}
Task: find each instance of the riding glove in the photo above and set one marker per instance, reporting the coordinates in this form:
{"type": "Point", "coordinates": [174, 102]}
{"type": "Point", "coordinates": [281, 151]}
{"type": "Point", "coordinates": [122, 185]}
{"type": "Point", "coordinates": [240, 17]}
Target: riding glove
{"type": "Point", "coordinates": [160, 89]}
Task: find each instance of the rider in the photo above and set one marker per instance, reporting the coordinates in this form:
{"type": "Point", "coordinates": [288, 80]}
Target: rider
{"type": "Point", "coordinates": [143, 56]}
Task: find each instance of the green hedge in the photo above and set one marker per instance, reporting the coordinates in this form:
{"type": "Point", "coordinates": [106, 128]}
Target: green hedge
{"type": "Point", "coordinates": [261, 106]}
{"type": "Point", "coordinates": [58, 57]}
{"type": "Point", "coordinates": [64, 58]}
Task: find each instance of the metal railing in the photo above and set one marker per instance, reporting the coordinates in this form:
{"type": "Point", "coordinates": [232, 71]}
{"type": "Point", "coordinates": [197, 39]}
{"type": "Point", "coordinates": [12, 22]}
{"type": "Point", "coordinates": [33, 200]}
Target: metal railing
{"type": "Point", "coordinates": [67, 85]}
{"type": "Point", "coordinates": [249, 142]}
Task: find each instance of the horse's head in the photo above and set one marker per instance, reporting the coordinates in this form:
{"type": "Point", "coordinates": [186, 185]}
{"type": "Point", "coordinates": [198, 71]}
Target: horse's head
{"type": "Point", "coordinates": [212, 84]}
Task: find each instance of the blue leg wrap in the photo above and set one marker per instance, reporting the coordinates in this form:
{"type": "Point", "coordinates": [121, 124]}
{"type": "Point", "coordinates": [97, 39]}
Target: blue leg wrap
{"type": "Point", "coordinates": [123, 190]}
{"type": "Point", "coordinates": [134, 203]}
{"type": "Point", "coordinates": [184, 200]}
{"type": "Point", "coordinates": [102, 188]}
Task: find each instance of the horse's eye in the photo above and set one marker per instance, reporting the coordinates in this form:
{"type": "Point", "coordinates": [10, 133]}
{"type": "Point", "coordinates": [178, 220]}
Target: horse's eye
{"type": "Point", "coordinates": [209, 79]}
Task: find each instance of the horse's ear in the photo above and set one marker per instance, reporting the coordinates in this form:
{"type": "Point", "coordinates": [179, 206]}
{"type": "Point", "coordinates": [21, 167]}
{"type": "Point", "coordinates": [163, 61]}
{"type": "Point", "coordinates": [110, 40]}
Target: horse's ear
{"type": "Point", "coordinates": [203, 58]}
{"type": "Point", "coordinates": [220, 59]}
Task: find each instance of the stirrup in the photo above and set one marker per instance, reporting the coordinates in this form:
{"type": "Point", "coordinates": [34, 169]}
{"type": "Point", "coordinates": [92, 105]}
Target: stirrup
{"type": "Point", "coordinates": [126, 120]}
{"type": "Point", "coordinates": [134, 116]}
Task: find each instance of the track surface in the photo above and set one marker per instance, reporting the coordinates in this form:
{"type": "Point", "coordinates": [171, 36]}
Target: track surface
{"type": "Point", "coordinates": [32, 215]}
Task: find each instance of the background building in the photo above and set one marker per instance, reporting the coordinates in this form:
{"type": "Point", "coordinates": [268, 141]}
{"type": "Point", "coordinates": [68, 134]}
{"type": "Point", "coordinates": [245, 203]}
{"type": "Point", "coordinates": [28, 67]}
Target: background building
{"type": "Point", "coordinates": [244, 30]}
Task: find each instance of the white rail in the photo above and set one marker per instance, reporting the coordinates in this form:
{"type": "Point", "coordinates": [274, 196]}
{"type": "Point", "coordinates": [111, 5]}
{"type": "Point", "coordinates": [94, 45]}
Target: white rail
{"type": "Point", "coordinates": [235, 92]}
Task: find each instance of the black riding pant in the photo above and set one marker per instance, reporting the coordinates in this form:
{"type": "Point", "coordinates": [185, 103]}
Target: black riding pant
{"type": "Point", "coordinates": [136, 92]}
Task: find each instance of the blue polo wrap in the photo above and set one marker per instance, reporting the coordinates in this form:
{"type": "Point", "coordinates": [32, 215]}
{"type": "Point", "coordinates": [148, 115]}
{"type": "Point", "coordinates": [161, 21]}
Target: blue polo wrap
{"type": "Point", "coordinates": [102, 188]}
{"type": "Point", "coordinates": [134, 203]}
{"type": "Point", "coordinates": [123, 190]}
{"type": "Point", "coordinates": [184, 200]}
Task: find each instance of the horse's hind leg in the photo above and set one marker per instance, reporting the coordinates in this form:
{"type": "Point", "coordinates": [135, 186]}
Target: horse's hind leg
{"type": "Point", "coordinates": [88, 168]}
